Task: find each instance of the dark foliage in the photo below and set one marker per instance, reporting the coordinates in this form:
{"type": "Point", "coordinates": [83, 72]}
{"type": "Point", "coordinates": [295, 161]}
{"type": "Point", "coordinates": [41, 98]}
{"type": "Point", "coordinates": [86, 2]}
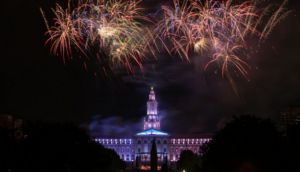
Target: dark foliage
{"type": "Point", "coordinates": [62, 148]}
{"type": "Point", "coordinates": [153, 162]}
{"type": "Point", "coordinates": [164, 167]}
{"type": "Point", "coordinates": [188, 161]}
{"type": "Point", "coordinates": [246, 144]}
{"type": "Point", "coordinates": [6, 147]}
{"type": "Point", "coordinates": [293, 148]}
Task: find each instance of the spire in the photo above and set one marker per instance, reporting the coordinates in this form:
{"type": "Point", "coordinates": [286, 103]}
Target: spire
{"type": "Point", "coordinates": [153, 160]}
{"type": "Point", "coordinates": [152, 119]}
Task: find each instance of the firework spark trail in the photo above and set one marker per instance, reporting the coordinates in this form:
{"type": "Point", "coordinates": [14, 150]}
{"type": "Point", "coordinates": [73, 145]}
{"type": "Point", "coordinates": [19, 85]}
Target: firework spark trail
{"type": "Point", "coordinates": [46, 22]}
{"type": "Point", "coordinates": [216, 28]}
{"type": "Point", "coordinates": [274, 19]}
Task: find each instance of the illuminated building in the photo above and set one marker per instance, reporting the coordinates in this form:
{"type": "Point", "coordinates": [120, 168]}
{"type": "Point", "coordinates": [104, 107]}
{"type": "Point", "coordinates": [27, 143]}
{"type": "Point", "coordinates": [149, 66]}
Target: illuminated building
{"type": "Point", "coordinates": [7, 122]}
{"type": "Point", "coordinates": [289, 116]}
{"type": "Point", "coordinates": [138, 146]}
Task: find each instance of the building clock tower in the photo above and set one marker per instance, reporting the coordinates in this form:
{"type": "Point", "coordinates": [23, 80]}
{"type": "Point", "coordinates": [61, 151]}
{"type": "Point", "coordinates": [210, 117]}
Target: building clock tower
{"type": "Point", "coordinates": [137, 149]}
{"type": "Point", "coordinates": [152, 119]}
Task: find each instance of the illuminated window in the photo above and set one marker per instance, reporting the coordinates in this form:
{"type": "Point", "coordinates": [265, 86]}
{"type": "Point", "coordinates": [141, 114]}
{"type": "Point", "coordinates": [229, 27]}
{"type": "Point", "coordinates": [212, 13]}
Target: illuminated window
{"type": "Point", "coordinates": [171, 150]}
{"type": "Point", "coordinates": [127, 157]}
{"type": "Point", "coordinates": [172, 157]}
{"type": "Point", "coordinates": [176, 158]}
{"type": "Point", "coordinates": [122, 150]}
{"type": "Point", "coordinates": [176, 149]}
{"type": "Point", "coordinates": [132, 149]}
{"type": "Point", "coordinates": [132, 157]}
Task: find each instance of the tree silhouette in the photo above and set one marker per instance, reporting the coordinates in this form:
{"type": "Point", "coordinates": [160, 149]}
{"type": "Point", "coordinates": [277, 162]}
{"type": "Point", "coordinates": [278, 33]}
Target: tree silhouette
{"type": "Point", "coordinates": [245, 144]}
{"type": "Point", "coordinates": [63, 147]}
{"type": "Point", "coordinates": [153, 159]}
{"type": "Point", "coordinates": [6, 146]}
{"type": "Point", "coordinates": [188, 161]}
{"type": "Point", "coordinates": [292, 148]}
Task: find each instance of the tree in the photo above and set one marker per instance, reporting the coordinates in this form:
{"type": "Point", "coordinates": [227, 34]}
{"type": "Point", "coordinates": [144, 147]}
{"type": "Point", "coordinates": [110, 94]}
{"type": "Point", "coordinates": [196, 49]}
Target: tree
{"type": "Point", "coordinates": [63, 147]}
{"type": "Point", "coordinates": [247, 144]}
{"type": "Point", "coordinates": [6, 145]}
{"type": "Point", "coordinates": [188, 161]}
{"type": "Point", "coordinates": [153, 160]}
{"type": "Point", "coordinates": [164, 167]}
{"type": "Point", "coordinates": [292, 147]}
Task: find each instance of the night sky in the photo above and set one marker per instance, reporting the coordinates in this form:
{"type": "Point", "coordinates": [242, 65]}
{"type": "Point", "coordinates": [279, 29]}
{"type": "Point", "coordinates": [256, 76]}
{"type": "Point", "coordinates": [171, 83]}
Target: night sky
{"type": "Point", "coordinates": [37, 85]}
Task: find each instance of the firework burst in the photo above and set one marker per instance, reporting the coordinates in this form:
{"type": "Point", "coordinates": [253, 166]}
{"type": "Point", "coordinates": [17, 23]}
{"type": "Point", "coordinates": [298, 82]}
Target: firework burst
{"type": "Point", "coordinates": [218, 29]}
{"type": "Point", "coordinates": [109, 26]}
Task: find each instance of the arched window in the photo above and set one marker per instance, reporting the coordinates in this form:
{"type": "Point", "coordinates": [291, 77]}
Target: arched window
{"type": "Point", "coordinates": [158, 141]}
{"type": "Point", "coordinates": [145, 141]}
{"type": "Point", "coordinates": [165, 141]}
{"type": "Point", "coordinates": [139, 142]}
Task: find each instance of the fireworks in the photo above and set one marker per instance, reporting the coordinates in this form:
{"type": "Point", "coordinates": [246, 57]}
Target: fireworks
{"type": "Point", "coordinates": [109, 26]}
{"type": "Point", "coordinates": [217, 29]}
{"type": "Point", "coordinates": [213, 29]}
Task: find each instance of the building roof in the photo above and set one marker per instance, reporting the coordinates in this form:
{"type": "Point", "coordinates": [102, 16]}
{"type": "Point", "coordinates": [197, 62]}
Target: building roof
{"type": "Point", "coordinates": [152, 131]}
{"type": "Point", "coordinates": [291, 110]}
{"type": "Point", "coordinates": [111, 136]}
{"type": "Point", "coordinates": [204, 135]}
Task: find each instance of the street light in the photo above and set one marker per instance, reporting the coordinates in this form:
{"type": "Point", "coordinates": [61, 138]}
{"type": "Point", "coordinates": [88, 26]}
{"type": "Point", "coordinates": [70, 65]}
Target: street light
{"type": "Point", "coordinates": [183, 171]}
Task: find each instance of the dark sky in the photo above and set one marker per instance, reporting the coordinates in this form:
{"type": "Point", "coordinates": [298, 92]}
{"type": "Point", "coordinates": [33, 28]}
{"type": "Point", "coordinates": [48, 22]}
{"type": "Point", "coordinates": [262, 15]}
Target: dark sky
{"type": "Point", "coordinates": [37, 85]}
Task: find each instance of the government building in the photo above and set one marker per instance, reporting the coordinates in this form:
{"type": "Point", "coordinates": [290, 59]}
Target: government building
{"type": "Point", "coordinates": [135, 149]}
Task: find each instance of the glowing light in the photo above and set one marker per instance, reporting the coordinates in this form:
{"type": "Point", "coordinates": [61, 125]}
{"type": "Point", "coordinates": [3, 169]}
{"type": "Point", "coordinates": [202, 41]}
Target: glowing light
{"type": "Point", "coordinates": [152, 132]}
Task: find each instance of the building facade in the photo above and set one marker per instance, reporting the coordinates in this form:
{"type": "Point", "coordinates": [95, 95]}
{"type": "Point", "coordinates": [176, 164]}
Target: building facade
{"type": "Point", "coordinates": [289, 116]}
{"type": "Point", "coordinates": [135, 149]}
{"type": "Point", "coordinates": [7, 122]}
